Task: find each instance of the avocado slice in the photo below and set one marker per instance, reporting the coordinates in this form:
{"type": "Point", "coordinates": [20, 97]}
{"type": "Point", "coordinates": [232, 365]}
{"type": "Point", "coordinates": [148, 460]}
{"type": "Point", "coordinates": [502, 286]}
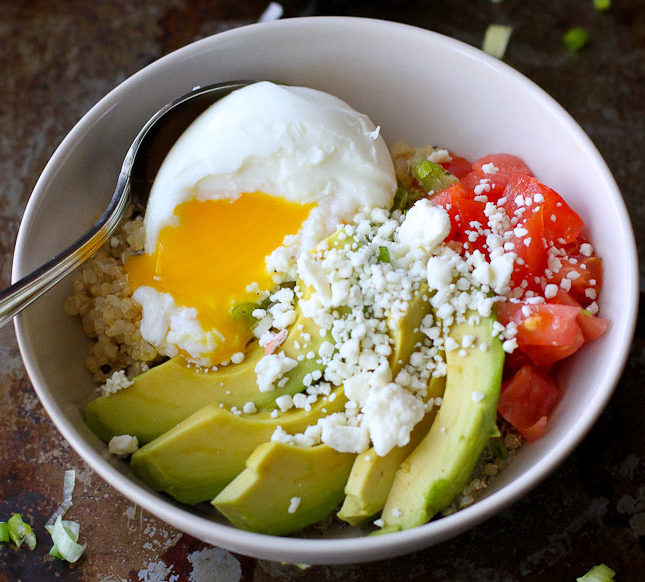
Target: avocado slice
{"type": "Point", "coordinates": [405, 331]}
{"type": "Point", "coordinates": [285, 488]}
{"type": "Point", "coordinates": [371, 478]}
{"type": "Point", "coordinates": [165, 395]}
{"type": "Point", "coordinates": [197, 458]}
{"type": "Point", "coordinates": [441, 465]}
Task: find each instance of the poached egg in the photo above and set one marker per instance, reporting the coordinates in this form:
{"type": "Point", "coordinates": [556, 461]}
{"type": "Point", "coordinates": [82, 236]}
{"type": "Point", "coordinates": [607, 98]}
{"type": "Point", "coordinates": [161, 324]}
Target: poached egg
{"type": "Point", "coordinates": [264, 163]}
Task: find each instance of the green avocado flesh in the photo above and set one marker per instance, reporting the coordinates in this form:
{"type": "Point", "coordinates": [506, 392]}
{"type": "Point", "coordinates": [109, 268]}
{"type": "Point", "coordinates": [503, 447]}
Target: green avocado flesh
{"type": "Point", "coordinates": [405, 331]}
{"type": "Point", "coordinates": [441, 465]}
{"type": "Point", "coordinates": [285, 488]}
{"type": "Point", "coordinates": [371, 478]}
{"type": "Point", "coordinates": [165, 395]}
{"type": "Point", "coordinates": [197, 458]}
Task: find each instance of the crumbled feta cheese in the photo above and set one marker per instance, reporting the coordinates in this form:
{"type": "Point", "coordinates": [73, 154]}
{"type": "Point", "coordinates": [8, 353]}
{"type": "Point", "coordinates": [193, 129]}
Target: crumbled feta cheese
{"type": "Point", "coordinates": [339, 435]}
{"type": "Point", "coordinates": [550, 291]}
{"type": "Point", "coordinates": [249, 408]}
{"type": "Point", "coordinates": [565, 284]}
{"type": "Point", "coordinates": [590, 293]}
{"type": "Point", "coordinates": [284, 402]}
{"type": "Point", "coordinates": [117, 381]}
{"type": "Point", "coordinates": [510, 345]}
{"type": "Point", "coordinates": [271, 368]}
{"type": "Point", "coordinates": [294, 502]}
{"type": "Point", "coordinates": [390, 414]}
{"type": "Point", "coordinates": [425, 225]}
{"type": "Point", "coordinates": [123, 445]}
{"type": "Point", "coordinates": [439, 156]}
{"type": "Point", "coordinates": [439, 273]}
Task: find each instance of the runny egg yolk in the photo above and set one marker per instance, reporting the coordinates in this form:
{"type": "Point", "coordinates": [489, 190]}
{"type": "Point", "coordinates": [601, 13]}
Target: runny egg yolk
{"type": "Point", "coordinates": [217, 249]}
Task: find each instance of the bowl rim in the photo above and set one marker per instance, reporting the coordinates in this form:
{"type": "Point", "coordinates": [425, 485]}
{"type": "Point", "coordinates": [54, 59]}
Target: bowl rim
{"type": "Point", "coordinates": [336, 550]}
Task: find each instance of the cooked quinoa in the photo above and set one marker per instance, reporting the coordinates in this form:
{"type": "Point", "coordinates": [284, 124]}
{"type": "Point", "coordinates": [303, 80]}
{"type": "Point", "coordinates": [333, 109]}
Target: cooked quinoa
{"type": "Point", "coordinates": [102, 297]}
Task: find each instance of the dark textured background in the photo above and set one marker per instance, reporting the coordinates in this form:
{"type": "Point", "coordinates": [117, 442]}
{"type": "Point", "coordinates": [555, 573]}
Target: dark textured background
{"type": "Point", "coordinates": [59, 57]}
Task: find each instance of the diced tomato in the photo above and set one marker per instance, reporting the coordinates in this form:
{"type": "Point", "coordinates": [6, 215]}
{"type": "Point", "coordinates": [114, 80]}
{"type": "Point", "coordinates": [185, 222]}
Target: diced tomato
{"type": "Point", "coordinates": [532, 257]}
{"type": "Point", "coordinates": [514, 361]}
{"type": "Point", "coordinates": [472, 221]}
{"type": "Point", "coordinates": [546, 356]}
{"type": "Point", "coordinates": [560, 221]}
{"type": "Point", "coordinates": [541, 324]}
{"type": "Point", "coordinates": [563, 298]}
{"type": "Point", "coordinates": [592, 327]}
{"type": "Point", "coordinates": [506, 165]}
{"type": "Point", "coordinates": [527, 399]}
{"type": "Point", "coordinates": [457, 166]}
{"type": "Point", "coordinates": [546, 333]}
{"type": "Point", "coordinates": [587, 274]}
{"type": "Point", "coordinates": [594, 266]}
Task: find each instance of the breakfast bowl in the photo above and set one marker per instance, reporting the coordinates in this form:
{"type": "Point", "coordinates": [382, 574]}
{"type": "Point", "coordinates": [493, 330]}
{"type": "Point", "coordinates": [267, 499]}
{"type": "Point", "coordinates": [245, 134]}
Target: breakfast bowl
{"type": "Point", "coordinates": [461, 99]}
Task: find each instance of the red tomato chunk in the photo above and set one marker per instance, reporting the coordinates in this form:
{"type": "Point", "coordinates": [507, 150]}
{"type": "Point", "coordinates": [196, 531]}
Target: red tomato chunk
{"type": "Point", "coordinates": [526, 400]}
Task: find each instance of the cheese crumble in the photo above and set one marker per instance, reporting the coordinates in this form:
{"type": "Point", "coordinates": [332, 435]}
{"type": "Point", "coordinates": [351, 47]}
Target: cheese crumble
{"type": "Point", "coordinates": [357, 298]}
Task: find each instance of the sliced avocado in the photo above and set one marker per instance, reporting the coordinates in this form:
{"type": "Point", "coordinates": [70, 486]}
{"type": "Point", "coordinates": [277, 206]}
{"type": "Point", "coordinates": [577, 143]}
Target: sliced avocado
{"type": "Point", "coordinates": [285, 488]}
{"type": "Point", "coordinates": [405, 330]}
{"type": "Point", "coordinates": [165, 395]}
{"type": "Point", "coordinates": [197, 458]}
{"type": "Point", "coordinates": [371, 478]}
{"type": "Point", "coordinates": [441, 465]}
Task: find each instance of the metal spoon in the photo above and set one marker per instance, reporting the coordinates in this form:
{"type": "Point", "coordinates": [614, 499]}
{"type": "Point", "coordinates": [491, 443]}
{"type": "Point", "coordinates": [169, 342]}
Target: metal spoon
{"type": "Point", "coordinates": [138, 171]}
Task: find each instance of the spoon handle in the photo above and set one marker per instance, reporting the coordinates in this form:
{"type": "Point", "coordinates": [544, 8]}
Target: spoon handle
{"type": "Point", "coordinates": [22, 293]}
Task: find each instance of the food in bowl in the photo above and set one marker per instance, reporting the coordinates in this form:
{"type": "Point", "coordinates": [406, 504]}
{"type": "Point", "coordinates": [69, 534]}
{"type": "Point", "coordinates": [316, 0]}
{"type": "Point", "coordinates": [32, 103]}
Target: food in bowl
{"type": "Point", "coordinates": [334, 322]}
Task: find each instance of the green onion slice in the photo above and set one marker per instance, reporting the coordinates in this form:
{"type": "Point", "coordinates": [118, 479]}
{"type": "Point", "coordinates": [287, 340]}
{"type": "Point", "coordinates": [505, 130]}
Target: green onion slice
{"type": "Point", "coordinates": [600, 573]}
{"type": "Point", "coordinates": [69, 482]}
{"type": "Point", "coordinates": [601, 5]}
{"type": "Point", "coordinates": [400, 199]}
{"type": "Point", "coordinates": [496, 39]}
{"type": "Point", "coordinates": [383, 255]}
{"type": "Point", "coordinates": [499, 448]}
{"type": "Point", "coordinates": [20, 532]}
{"type": "Point", "coordinates": [65, 537]}
{"type": "Point", "coordinates": [575, 39]}
{"type": "Point", "coordinates": [4, 532]}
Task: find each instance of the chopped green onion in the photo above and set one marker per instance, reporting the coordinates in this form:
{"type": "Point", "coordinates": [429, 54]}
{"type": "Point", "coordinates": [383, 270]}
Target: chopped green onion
{"type": "Point", "coordinates": [245, 310]}
{"type": "Point", "coordinates": [600, 573]}
{"type": "Point", "coordinates": [499, 448]}
{"type": "Point", "coordinates": [400, 199]}
{"type": "Point", "coordinates": [383, 255]}
{"type": "Point", "coordinates": [20, 532]}
{"type": "Point", "coordinates": [69, 481]}
{"type": "Point", "coordinates": [432, 176]}
{"type": "Point", "coordinates": [575, 39]}
{"type": "Point", "coordinates": [65, 537]}
{"type": "Point", "coordinates": [496, 39]}
{"type": "Point", "coordinates": [602, 4]}
{"type": "Point", "coordinates": [4, 532]}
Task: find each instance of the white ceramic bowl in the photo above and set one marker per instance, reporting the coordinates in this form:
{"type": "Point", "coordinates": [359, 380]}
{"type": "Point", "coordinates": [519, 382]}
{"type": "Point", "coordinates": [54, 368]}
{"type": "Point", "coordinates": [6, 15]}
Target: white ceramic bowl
{"type": "Point", "coordinates": [420, 87]}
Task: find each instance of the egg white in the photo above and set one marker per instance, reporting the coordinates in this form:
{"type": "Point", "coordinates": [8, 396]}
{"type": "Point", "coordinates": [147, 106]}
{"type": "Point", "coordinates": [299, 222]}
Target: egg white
{"type": "Point", "coordinates": [298, 143]}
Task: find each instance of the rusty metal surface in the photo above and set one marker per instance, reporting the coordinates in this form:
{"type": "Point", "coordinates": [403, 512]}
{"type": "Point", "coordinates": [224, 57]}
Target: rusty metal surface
{"type": "Point", "coordinates": [59, 57]}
